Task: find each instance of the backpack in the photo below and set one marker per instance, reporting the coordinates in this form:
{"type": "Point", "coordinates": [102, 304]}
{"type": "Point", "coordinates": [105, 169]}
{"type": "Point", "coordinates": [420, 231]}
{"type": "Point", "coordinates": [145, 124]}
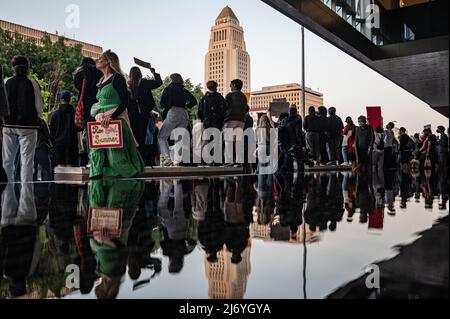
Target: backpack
{"type": "Point", "coordinates": [380, 146]}
{"type": "Point", "coordinates": [214, 112]}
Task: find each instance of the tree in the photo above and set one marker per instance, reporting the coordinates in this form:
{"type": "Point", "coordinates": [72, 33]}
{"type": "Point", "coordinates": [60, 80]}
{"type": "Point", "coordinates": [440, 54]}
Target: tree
{"type": "Point", "coordinates": [52, 63]}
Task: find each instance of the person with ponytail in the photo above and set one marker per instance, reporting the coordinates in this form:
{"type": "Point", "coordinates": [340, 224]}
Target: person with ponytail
{"type": "Point", "coordinates": [142, 103]}
{"type": "Point", "coordinates": [113, 101]}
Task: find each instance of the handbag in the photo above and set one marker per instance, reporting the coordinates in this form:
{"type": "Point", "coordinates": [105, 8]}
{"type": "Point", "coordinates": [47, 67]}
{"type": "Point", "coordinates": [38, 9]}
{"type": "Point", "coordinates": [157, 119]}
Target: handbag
{"type": "Point", "coordinates": [79, 113]}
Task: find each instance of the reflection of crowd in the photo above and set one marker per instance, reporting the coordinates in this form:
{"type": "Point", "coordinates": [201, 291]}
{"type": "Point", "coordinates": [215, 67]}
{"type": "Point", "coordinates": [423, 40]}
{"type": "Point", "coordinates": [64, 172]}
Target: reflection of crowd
{"type": "Point", "coordinates": [45, 228]}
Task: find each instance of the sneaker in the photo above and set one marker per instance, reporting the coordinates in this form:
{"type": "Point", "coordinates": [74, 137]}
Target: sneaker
{"type": "Point", "coordinates": [330, 164]}
{"type": "Point", "coordinates": [166, 162]}
{"type": "Point", "coordinates": [345, 164]}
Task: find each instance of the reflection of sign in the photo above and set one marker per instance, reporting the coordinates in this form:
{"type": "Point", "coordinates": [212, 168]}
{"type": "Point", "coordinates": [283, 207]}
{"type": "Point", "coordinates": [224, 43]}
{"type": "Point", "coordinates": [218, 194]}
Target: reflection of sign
{"type": "Point", "coordinates": [105, 218]}
{"type": "Point", "coordinates": [100, 137]}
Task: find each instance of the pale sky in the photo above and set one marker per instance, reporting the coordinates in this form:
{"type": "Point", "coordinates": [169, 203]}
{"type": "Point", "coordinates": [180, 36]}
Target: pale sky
{"type": "Point", "coordinates": [174, 34]}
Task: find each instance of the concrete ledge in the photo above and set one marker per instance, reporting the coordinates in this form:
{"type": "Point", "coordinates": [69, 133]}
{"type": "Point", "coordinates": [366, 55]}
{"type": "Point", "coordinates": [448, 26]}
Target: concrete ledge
{"type": "Point", "coordinates": [81, 174]}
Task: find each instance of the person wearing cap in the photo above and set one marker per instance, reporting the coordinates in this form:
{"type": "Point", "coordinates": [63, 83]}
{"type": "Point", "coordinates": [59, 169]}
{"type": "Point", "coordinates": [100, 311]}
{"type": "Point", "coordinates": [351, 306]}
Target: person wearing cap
{"type": "Point", "coordinates": [21, 126]}
{"type": "Point", "coordinates": [64, 133]}
{"type": "Point", "coordinates": [443, 149]}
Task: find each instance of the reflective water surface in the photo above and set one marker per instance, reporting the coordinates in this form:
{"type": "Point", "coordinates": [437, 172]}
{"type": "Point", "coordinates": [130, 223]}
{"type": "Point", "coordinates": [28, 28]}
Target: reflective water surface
{"type": "Point", "coordinates": [274, 236]}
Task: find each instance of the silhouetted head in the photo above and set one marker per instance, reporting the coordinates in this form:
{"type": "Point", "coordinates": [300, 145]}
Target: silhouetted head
{"type": "Point", "coordinates": [323, 111]}
{"type": "Point", "coordinates": [390, 126]}
{"type": "Point", "coordinates": [283, 116]}
{"type": "Point", "coordinates": [87, 62]}
{"type": "Point", "coordinates": [441, 129]}
{"type": "Point", "coordinates": [236, 85]}
{"type": "Point", "coordinates": [312, 110]}
{"type": "Point", "coordinates": [176, 78]}
{"type": "Point", "coordinates": [20, 64]}
{"type": "Point", "coordinates": [134, 79]}
{"type": "Point", "coordinates": [212, 258]}
{"type": "Point", "coordinates": [349, 121]}
{"type": "Point", "coordinates": [402, 130]}
{"type": "Point", "coordinates": [65, 96]}
{"type": "Point", "coordinates": [236, 257]}
{"type": "Point", "coordinates": [293, 111]}
{"type": "Point", "coordinates": [379, 130]}
{"type": "Point", "coordinates": [212, 86]}
{"type": "Point", "coordinates": [332, 111]}
{"type": "Point", "coordinates": [362, 120]}
{"type": "Point", "coordinates": [176, 264]}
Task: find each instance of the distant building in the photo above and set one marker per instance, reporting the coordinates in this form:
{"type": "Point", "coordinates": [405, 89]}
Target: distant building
{"type": "Point", "coordinates": [227, 58]}
{"type": "Point", "coordinates": [278, 94]}
{"type": "Point", "coordinates": [88, 50]}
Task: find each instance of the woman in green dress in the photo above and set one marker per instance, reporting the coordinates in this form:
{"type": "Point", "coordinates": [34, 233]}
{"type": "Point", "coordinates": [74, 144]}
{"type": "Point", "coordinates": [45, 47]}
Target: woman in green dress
{"type": "Point", "coordinates": [112, 106]}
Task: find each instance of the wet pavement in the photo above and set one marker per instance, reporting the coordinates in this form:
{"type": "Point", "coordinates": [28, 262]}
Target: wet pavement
{"type": "Point", "coordinates": [255, 237]}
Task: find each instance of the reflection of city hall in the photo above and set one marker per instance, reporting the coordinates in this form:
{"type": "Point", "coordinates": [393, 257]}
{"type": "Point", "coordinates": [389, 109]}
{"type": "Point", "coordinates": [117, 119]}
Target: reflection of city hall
{"type": "Point", "coordinates": [228, 59]}
{"type": "Point", "coordinates": [229, 281]}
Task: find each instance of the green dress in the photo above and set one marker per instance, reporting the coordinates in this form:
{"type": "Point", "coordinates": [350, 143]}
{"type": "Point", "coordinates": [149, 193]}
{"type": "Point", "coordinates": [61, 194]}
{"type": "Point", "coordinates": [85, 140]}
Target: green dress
{"type": "Point", "coordinates": [125, 194]}
{"type": "Point", "coordinates": [124, 162]}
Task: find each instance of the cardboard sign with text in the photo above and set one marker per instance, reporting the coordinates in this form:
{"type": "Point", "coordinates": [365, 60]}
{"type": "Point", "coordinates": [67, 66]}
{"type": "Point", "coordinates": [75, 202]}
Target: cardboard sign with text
{"type": "Point", "coordinates": [105, 218]}
{"type": "Point", "coordinates": [100, 137]}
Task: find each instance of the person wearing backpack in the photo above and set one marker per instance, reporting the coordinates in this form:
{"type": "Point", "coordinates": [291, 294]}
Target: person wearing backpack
{"type": "Point", "coordinates": [334, 131]}
{"type": "Point", "coordinates": [211, 110]}
{"type": "Point", "coordinates": [378, 153]}
{"type": "Point", "coordinates": [407, 147]}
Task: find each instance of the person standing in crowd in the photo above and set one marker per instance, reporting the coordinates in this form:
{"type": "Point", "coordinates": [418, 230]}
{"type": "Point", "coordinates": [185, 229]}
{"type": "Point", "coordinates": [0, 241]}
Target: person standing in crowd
{"type": "Point", "coordinates": [4, 111]}
{"type": "Point", "coordinates": [263, 141]}
{"type": "Point", "coordinates": [151, 140]}
{"type": "Point", "coordinates": [237, 108]}
{"type": "Point", "coordinates": [89, 76]}
{"type": "Point", "coordinates": [364, 138]}
{"type": "Point", "coordinates": [323, 128]}
{"type": "Point", "coordinates": [424, 146]}
{"type": "Point", "coordinates": [443, 149]}
{"type": "Point", "coordinates": [142, 103]}
{"type": "Point", "coordinates": [407, 147]}
{"type": "Point", "coordinates": [4, 106]}
{"type": "Point", "coordinates": [311, 126]}
{"type": "Point", "coordinates": [42, 157]}
{"type": "Point", "coordinates": [389, 160]}
{"type": "Point", "coordinates": [113, 106]}
{"type": "Point", "coordinates": [86, 78]}
{"type": "Point", "coordinates": [334, 136]}
{"type": "Point", "coordinates": [348, 153]}
{"type": "Point", "coordinates": [212, 107]}
{"type": "Point", "coordinates": [175, 101]}
{"type": "Point", "coordinates": [64, 133]}
{"type": "Point", "coordinates": [21, 125]}
{"type": "Point", "coordinates": [293, 139]}
{"type": "Point", "coordinates": [378, 153]}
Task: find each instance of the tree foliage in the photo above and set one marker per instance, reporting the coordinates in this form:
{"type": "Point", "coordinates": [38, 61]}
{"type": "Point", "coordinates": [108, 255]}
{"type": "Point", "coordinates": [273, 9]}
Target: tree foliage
{"type": "Point", "coordinates": [52, 64]}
